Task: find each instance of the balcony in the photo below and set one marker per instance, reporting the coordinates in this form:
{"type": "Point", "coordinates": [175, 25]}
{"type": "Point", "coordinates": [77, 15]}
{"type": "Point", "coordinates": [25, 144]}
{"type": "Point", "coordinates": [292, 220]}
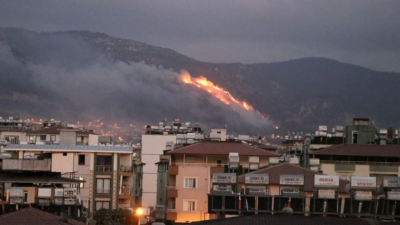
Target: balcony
{"type": "Point", "coordinates": [172, 192]}
{"type": "Point", "coordinates": [27, 164]}
{"type": "Point", "coordinates": [103, 190]}
{"type": "Point", "coordinates": [173, 170]}
{"type": "Point", "coordinates": [382, 168]}
{"type": "Point", "coordinates": [103, 169]}
{"type": "Point", "coordinates": [171, 214]}
{"type": "Point", "coordinates": [126, 193]}
{"type": "Point", "coordinates": [345, 167]}
{"type": "Point", "coordinates": [126, 170]}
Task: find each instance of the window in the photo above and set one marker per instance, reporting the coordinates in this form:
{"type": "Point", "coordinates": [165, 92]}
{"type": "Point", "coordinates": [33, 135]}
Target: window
{"type": "Point", "coordinates": [219, 163]}
{"type": "Point", "coordinates": [64, 154]}
{"type": "Point", "coordinates": [53, 138]}
{"type": "Point", "coordinates": [189, 205]}
{"type": "Point", "coordinates": [81, 185]}
{"type": "Point", "coordinates": [81, 160]}
{"type": "Point", "coordinates": [43, 137]}
{"type": "Point", "coordinates": [102, 205]}
{"type": "Point", "coordinates": [25, 196]}
{"type": "Point", "coordinates": [190, 183]}
{"type": "Point", "coordinates": [32, 138]}
{"type": "Point", "coordinates": [103, 186]}
{"type": "Point", "coordinates": [355, 137]}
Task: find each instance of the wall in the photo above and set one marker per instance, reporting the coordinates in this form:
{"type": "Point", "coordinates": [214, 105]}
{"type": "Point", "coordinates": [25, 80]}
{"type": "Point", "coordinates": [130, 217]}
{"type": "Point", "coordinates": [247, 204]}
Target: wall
{"type": "Point", "coordinates": [67, 137]}
{"type": "Point", "coordinates": [31, 194]}
{"type": "Point", "coordinates": [199, 193]}
{"type": "Point", "coordinates": [64, 164]}
{"type": "Point", "coordinates": [84, 172]}
{"type": "Point", "coordinates": [152, 147]}
{"type": "Point", "coordinates": [93, 139]}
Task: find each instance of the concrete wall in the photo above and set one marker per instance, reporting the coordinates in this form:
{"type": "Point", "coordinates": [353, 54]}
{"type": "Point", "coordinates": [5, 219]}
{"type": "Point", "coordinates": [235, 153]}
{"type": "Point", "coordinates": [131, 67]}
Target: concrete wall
{"type": "Point", "coordinates": [93, 139]}
{"type": "Point", "coordinates": [64, 164]}
{"type": "Point", "coordinates": [199, 194]}
{"type": "Point", "coordinates": [152, 147]}
{"type": "Point", "coordinates": [67, 137]}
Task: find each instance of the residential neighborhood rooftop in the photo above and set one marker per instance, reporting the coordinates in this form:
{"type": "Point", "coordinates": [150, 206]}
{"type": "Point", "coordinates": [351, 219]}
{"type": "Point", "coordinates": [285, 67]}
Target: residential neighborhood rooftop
{"type": "Point", "coordinates": [361, 150]}
{"type": "Point", "coordinates": [31, 215]}
{"type": "Point", "coordinates": [222, 148]}
{"type": "Point", "coordinates": [71, 148]}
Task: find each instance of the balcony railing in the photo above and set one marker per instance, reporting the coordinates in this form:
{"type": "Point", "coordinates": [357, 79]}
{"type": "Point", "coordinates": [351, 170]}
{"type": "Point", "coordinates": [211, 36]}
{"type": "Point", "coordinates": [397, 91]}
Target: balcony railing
{"type": "Point", "coordinates": [125, 169]}
{"type": "Point", "coordinates": [103, 169]}
{"type": "Point", "coordinates": [27, 164]}
{"type": "Point", "coordinates": [103, 190]}
{"type": "Point", "coordinates": [126, 191]}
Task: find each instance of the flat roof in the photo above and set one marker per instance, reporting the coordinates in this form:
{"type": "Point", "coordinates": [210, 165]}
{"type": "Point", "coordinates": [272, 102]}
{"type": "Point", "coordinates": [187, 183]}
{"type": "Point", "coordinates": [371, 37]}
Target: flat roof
{"type": "Point", "coordinates": [69, 148]}
{"type": "Point", "coordinates": [9, 178]}
{"type": "Point", "coordinates": [222, 148]}
{"type": "Point", "coordinates": [360, 150]}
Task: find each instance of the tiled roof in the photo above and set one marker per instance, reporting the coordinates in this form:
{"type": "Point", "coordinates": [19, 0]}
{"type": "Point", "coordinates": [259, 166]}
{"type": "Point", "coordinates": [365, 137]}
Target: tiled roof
{"type": "Point", "coordinates": [361, 150]}
{"type": "Point", "coordinates": [222, 148]}
{"type": "Point", "coordinates": [70, 148]}
{"type": "Point", "coordinates": [292, 220]}
{"type": "Point", "coordinates": [286, 168]}
{"type": "Point", "coordinates": [33, 216]}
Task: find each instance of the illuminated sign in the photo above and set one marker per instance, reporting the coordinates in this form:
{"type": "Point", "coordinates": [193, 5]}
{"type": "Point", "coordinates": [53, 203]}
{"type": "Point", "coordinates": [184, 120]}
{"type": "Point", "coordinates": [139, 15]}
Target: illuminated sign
{"type": "Point", "coordinates": [222, 189]}
{"type": "Point", "coordinates": [391, 182]}
{"type": "Point", "coordinates": [290, 192]}
{"type": "Point", "coordinates": [394, 195]}
{"type": "Point", "coordinates": [363, 182]}
{"type": "Point", "coordinates": [326, 194]}
{"type": "Point", "coordinates": [326, 181]}
{"type": "Point", "coordinates": [292, 179]}
{"type": "Point", "coordinates": [224, 178]}
{"type": "Point", "coordinates": [256, 179]}
{"type": "Point", "coordinates": [363, 195]}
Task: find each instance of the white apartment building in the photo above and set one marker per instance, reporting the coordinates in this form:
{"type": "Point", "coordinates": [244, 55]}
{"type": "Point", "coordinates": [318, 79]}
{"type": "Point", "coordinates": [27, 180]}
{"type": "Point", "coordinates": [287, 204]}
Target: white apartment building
{"type": "Point", "coordinates": [152, 147]}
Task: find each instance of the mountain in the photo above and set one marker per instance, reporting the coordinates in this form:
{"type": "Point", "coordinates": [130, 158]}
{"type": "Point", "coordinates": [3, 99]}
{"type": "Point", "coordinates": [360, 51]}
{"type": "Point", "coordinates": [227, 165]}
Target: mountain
{"type": "Point", "coordinates": [71, 73]}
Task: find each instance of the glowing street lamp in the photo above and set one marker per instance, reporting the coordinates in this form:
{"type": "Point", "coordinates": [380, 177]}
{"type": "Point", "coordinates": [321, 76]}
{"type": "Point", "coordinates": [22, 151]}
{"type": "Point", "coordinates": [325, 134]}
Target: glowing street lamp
{"type": "Point", "coordinates": [139, 212]}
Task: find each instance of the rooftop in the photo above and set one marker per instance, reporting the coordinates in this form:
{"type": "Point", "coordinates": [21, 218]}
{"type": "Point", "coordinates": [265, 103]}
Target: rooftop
{"type": "Point", "coordinates": [12, 178]}
{"type": "Point", "coordinates": [361, 150]}
{"type": "Point", "coordinates": [222, 148]}
{"type": "Point", "coordinates": [56, 130]}
{"type": "Point", "coordinates": [69, 148]}
{"type": "Point", "coordinates": [33, 216]}
{"type": "Point", "coordinates": [286, 168]}
{"type": "Point", "coordinates": [291, 219]}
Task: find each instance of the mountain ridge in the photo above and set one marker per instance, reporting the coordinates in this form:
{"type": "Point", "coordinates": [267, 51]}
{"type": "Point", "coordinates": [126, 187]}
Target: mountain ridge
{"type": "Point", "coordinates": [297, 94]}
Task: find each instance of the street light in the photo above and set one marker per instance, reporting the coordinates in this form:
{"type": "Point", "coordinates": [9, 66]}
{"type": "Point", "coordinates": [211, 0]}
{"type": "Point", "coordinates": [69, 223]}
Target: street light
{"type": "Point", "coordinates": [139, 212]}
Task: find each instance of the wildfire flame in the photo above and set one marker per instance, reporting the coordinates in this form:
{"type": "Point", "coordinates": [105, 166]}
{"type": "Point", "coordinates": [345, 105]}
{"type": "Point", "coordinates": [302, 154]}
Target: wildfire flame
{"type": "Point", "coordinates": [223, 95]}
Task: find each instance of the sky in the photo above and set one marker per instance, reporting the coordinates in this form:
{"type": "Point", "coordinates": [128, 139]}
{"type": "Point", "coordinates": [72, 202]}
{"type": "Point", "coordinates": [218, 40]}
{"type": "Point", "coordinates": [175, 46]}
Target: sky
{"type": "Point", "coordinates": [360, 32]}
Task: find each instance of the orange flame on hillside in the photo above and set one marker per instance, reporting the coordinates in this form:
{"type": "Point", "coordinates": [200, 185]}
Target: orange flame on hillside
{"type": "Point", "coordinates": [218, 92]}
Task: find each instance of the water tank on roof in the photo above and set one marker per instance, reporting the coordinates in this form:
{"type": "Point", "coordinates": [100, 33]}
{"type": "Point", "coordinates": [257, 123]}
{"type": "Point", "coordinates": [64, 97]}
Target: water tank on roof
{"type": "Point", "coordinates": [215, 136]}
{"type": "Point", "coordinates": [323, 128]}
{"type": "Point", "coordinates": [243, 137]}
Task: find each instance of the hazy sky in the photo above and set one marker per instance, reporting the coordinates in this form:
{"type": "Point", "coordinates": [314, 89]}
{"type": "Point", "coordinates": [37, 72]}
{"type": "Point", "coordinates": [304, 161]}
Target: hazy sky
{"type": "Point", "coordinates": [361, 32]}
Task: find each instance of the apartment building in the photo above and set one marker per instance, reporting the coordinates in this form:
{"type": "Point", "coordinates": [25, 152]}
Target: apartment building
{"type": "Point", "coordinates": [289, 189]}
{"type": "Point", "coordinates": [157, 139]}
{"type": "Point", "coordinates": [190, 171]}
{"type": "Point", "coordinates": [349, 160]}
{"type": "Point", "coordinates": [106, 170]}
